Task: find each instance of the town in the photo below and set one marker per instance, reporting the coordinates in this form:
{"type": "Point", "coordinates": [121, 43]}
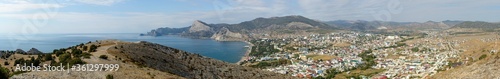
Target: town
{"type": "Point", "coordinates": [372, 55]}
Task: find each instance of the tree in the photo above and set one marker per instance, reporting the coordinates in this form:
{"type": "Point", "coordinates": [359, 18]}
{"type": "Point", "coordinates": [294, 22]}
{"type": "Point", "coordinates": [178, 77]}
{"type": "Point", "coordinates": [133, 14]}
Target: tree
{"type": "Point", "coordinates": [4, 73]}
{"type": "Point", "coordinates": [64, 58]}
{"type": "Point", "coordinates": [93, 48]}
{"type": "Point", "coordinates": [47, 57]}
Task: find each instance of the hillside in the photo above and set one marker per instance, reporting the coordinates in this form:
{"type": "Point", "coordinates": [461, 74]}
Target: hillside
{"type": "Point", "coordinates": [481, 58]}
{"type": "Point", "coordinates": [469, 27]}
{"type": "Point", "coordinates": [142, 60]}
{"type": "Point", "coordinates": [361, 25]}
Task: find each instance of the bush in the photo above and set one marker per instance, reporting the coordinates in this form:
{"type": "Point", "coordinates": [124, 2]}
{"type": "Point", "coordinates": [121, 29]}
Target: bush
{"type": "Point", "coordinates": [4, 73]}
{"type": "Point", "coordinates": [47, 57]}
{"type": "Point", "coordinates": [482, 56]}
{"type": "Point", "coordinates": [86, 55]}
{"type": "Point", "coordinates": [64, 58]}
{"type": "Point", "coordinates": [109, 76]}
{"type": "Point", "coordinates": [76, 61]}
{"type": "Point", "coordinates": [93, 48]}
{"type": "Point", "coordinates": [103, 57]}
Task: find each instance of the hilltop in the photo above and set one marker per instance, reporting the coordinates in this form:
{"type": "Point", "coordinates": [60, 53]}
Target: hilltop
{"type": "Point", "coordinates": [149, 60]}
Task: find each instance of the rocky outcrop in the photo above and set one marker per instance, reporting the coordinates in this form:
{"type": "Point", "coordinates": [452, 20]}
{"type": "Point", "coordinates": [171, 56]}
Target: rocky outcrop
{"type": "Point", "coordinates": [226, 35]}
{"type": "Point", "coordinates": [199, 26]}
{"type": "Point", "coordinates": [34, 51]}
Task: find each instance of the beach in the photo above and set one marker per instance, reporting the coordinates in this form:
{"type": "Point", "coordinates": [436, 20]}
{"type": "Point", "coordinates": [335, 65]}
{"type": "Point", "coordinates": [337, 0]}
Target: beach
{"type": "Point", "coordinates": [249, 49]}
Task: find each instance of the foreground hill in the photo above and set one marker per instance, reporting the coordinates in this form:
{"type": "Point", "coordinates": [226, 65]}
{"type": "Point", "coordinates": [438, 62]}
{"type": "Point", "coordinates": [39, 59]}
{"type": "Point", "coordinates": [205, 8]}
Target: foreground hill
{"type": "Point", "coordinates": [185, 64]}
{"type": "Point", "coordinates": [481, 58]}
{"type": "Point", "coordinates": [142, 60]}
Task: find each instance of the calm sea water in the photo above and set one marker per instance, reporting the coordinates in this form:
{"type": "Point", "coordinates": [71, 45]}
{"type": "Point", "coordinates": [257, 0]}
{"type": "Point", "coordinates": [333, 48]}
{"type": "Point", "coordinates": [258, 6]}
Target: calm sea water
{"type": "Point", "coordinates": [225, 51]}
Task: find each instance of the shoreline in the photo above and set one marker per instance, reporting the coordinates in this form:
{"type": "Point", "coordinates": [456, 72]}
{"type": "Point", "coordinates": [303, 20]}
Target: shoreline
{"type": "Point", "coordinates": [249, 49]}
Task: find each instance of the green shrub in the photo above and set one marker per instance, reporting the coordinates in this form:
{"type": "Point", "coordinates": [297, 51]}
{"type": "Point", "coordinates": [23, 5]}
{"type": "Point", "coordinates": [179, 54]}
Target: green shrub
{"type": "Point", "coordinates": [109, 76]}
{"type": "Point", "coordinates": [4, 73]}
{"type": "Point", "coordinates": [482, 56]}
{"type": "Point", "coordinates": [103, 57]}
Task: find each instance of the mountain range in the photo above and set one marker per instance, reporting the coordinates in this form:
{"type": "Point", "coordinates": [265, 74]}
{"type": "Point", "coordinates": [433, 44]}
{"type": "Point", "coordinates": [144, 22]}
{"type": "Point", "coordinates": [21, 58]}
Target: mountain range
{"type": "Point", "coordinates": [295, 24]}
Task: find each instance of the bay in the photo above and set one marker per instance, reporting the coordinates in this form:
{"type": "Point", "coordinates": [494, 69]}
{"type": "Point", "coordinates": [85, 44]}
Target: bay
{"type": "Point", "coordinates": [225, 51]}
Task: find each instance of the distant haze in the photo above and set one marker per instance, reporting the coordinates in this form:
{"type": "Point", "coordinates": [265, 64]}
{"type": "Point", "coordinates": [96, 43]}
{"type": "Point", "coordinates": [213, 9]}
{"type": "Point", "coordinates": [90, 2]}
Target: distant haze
{"type": "Point", "coordinates": [137, 16]}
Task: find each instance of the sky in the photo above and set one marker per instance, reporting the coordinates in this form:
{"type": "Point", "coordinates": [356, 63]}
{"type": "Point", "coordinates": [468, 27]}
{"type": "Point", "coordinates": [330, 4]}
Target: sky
{"type": "Point", "coordinates": [140, 16]}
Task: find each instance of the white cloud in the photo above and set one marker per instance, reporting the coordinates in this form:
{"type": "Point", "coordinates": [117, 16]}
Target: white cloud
{"type": "Point", "coordinates": [7, 6]}
{"type": "Point", "coordinates": [100, 2]}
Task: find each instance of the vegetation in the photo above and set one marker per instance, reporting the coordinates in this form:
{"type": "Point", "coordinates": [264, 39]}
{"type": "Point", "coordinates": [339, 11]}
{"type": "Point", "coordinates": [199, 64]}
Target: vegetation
{"type": "Point", "coordinates": [482, 56]}
{"type": "Point", "coordinates": [368, 59]}
{"type": "Point", "coordinates": [86, 55]}
{"type": "Point", "coordinates": [103, 57]}
{"type": "Point", "coordinates": [93, 48]}
{"type": "Point", "coordinates": [415, 49]}
{"type": "Point", "coordinates": [47, 57]}
{"type": "Point", "coordinates": [262, 48]}
{"type": "Point", "coordinates": [109, 76]}
{"type": "Point", "coordinates": [35, 62]}
{"type": "Point", "coordinates": [4, 73]}
{"type": "Point", "coordinates": [274, 63]}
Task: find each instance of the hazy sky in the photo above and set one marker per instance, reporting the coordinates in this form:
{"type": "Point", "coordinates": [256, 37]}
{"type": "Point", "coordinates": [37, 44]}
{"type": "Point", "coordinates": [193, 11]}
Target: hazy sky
{"type": "Point", "coordinates": [137, 16]}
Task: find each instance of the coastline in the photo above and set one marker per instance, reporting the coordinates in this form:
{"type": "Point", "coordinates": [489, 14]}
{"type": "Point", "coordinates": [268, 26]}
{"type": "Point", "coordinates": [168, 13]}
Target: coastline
{"type": "Point", "coordinates": [249, 49]}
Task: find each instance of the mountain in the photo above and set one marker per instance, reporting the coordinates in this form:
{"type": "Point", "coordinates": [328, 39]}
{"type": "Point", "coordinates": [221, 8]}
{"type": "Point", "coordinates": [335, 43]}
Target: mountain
{"type": "Point", "coordinates": [166, 31]}
{"type": "Point", "coordinates": [20, 51]}
{"type": "Point", "coordinates": [361, 25]}
{"type": "Point", "coordinates": [34, 51]}
{"type": "Point", "coordinates": [245, 30]}
{"type": "Point", "coordinates": [475, 26]}
{"type": "Point", "coordinates": [478, 25]}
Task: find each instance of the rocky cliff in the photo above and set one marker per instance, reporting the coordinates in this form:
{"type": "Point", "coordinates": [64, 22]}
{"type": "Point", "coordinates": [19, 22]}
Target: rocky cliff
{"type": "Point", "coordinates": [226, 35]}
{"type": "Point", "coordinates": [199, 26]}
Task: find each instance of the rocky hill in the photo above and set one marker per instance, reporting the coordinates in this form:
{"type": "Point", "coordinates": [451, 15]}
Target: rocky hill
{"type": "Point", "coordinates": [34, 51]}
{"type": "Point", "coordinates": [141, 60]}
{"type": "Point", "coordinates": [186, 64]}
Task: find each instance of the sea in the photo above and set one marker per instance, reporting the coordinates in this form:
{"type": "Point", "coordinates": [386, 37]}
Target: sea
{"type": "Point", "coordinates": [226, 51]}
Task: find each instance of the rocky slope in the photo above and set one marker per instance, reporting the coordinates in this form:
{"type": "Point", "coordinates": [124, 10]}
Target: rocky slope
{"type": "Point", "coordinates": [226, 35]}
{"type": "Point", "coordinates": [185, 64]}
{"type": "Point", "coordinates": [141, 60]}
